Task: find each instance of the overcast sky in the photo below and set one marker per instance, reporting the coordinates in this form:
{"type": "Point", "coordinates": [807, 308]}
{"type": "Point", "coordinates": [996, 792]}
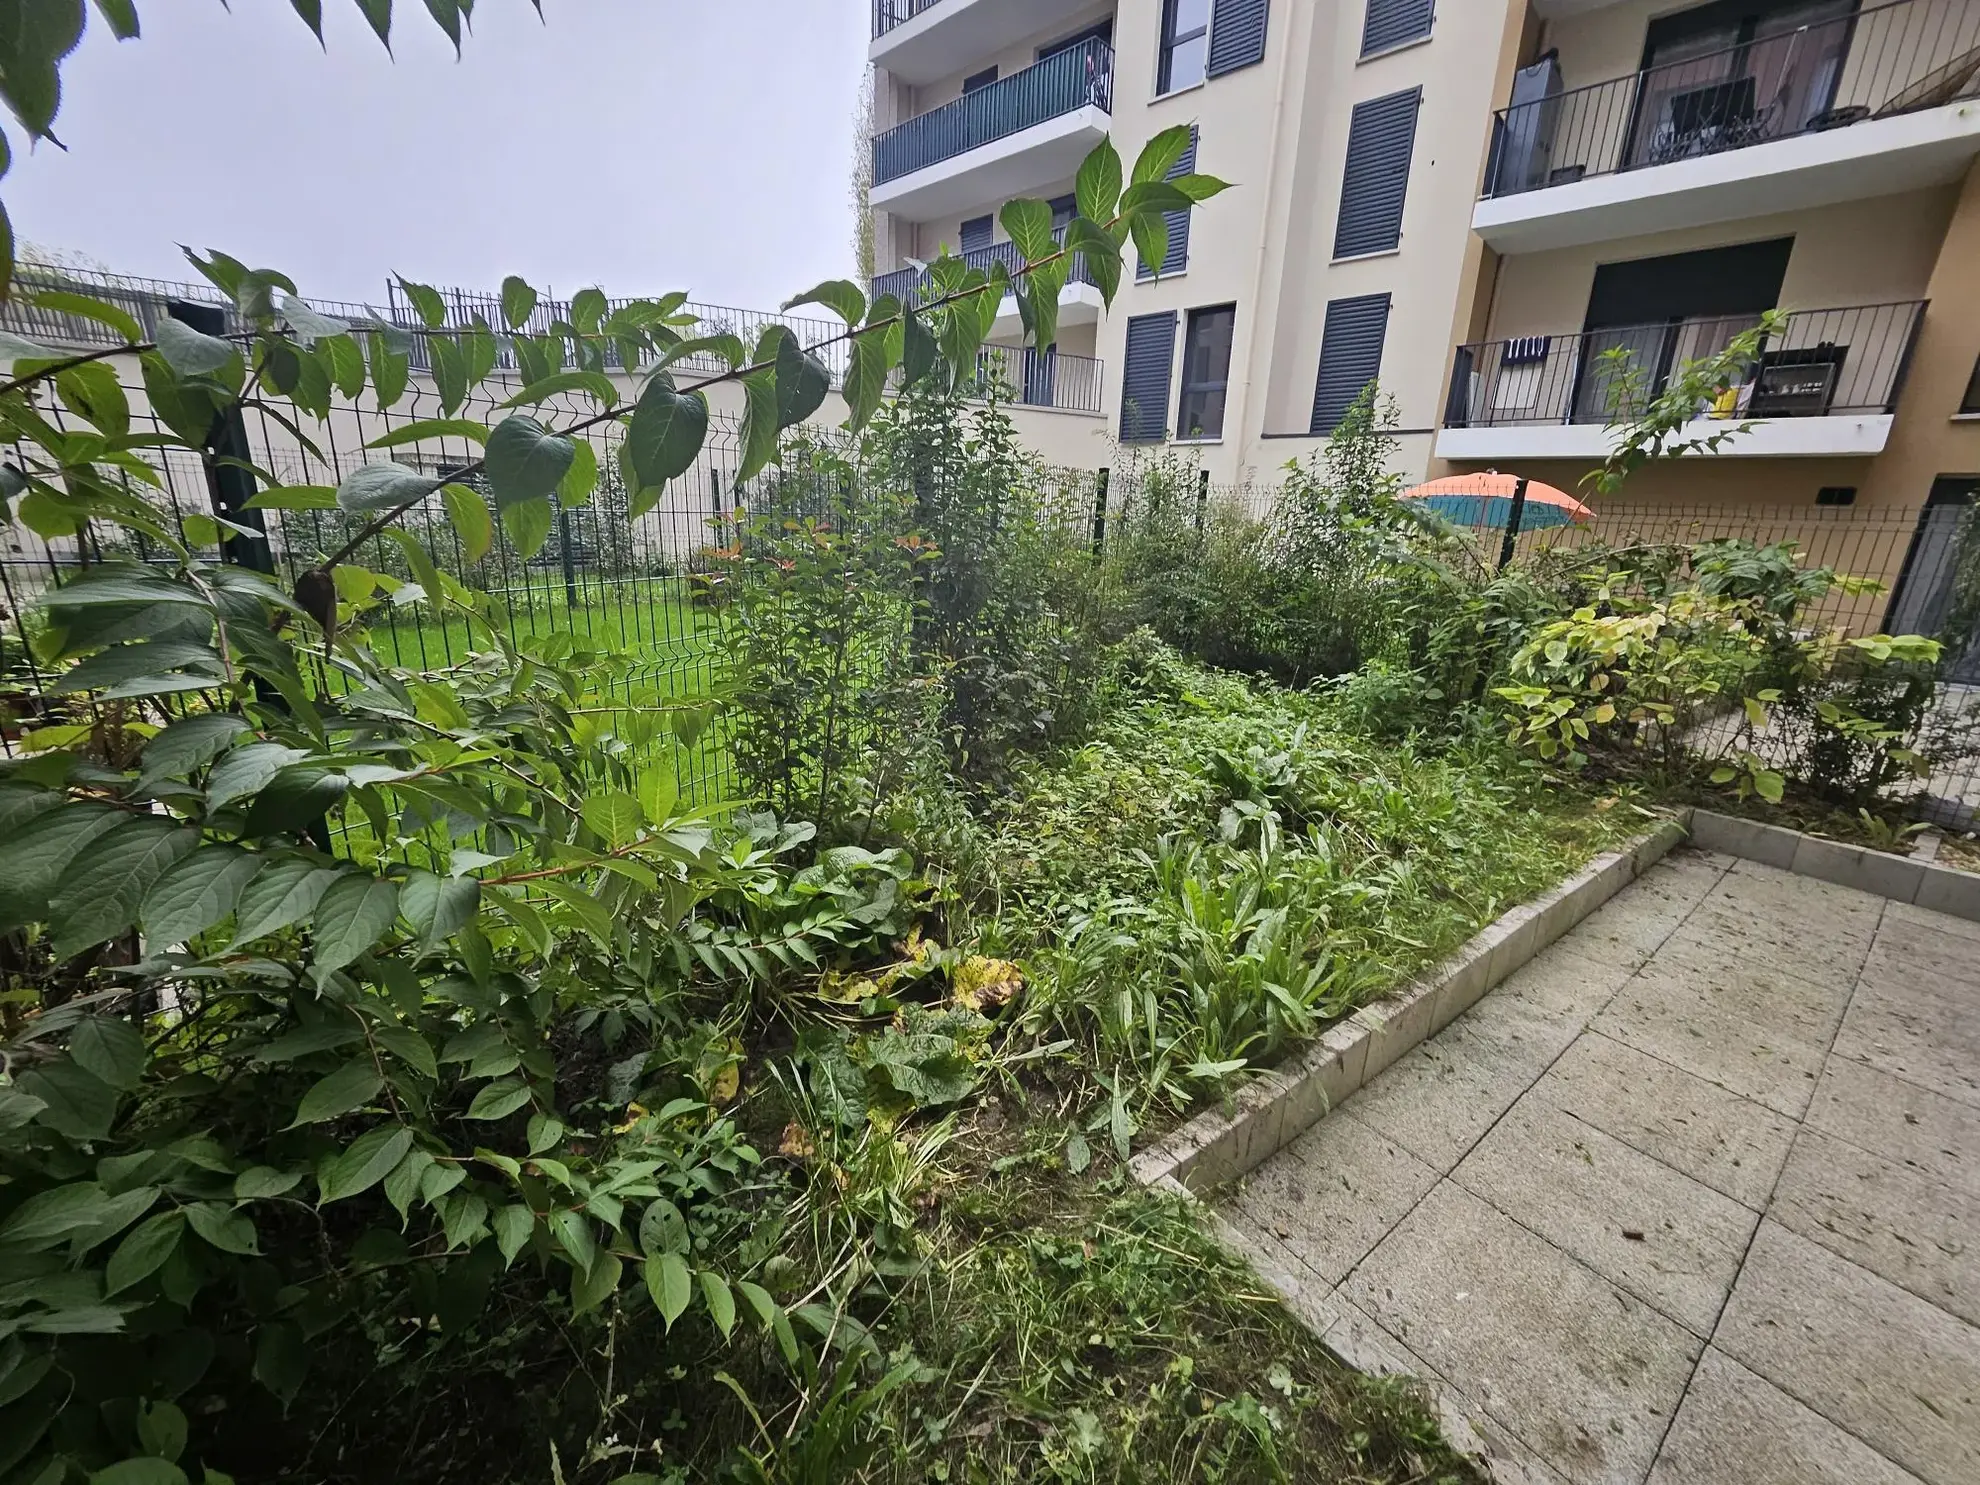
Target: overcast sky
{"type": "Point", "coordinates": [641, 145]}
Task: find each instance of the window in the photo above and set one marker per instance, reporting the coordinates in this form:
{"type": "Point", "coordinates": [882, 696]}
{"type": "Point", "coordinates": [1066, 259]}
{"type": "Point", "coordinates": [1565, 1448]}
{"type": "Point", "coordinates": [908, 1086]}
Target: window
{"type": "Point", "coordinates": [1151, 347]}
{"type": "Point", "coordinates": [1237, 35]}
{"type": "Point", "coordinates": [977, 81]}
{"type": "Point", "coordinates": [1381, 138]}
{"type": "Point", "coordinates": [1064, 209]}
{"type": "Point", "coordinates": [1350, 357]}
{"type": "Point", "coordinates": [1836, 495]}
{"type": "Point", "coordinates": [977, 232]}
{"type": "Point", "coordinates": [1185, 45]}
{"type": "Point", "coordinates": [1971, 402]}
{"type": "Point", "coordinates": [1206, 372]}
{"type": "Point", "coordinates": [1394, 23]}
{"type": "Point", "coordinates": [1176, 258]}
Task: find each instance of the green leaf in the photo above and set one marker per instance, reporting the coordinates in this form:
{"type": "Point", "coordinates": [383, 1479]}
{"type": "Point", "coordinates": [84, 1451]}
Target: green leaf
{"type": "Point", "coordinates": [355, 913]}
{"type": "Point", "coordinates": [294, 497]}
{"type": "Point", "coordinates": [721, 1302]}
{"type": "Point", "coordinates": [94, 393]}
{"type": "Point", "coordinates": [262, 1182]}
{"type": "Point", "coordinates": [469, 514]}
{"type": "Point", "coordinates": [79, 1105]}
{"type": "Point", "coordinates": [391, 371]}
{"type": "Point", "coordinates": [593, 384]}
{"type": "Point", "coordinates": [384, 486]}
{"type": "Point", "coordinates": [803, 381]}
{"type": "Point", "coordinates": [669, 1281]}
{"type": "Point", "coordinates": [918, 349]}
{"type": "Point", "coordinates": [572, 1230]}
{"type": "Point", "coordinates": [1157, 158]}
{"type": "Point", "coordinates": [1153, 196]}
{"type": "Point", "coordinates": [425, 300]}
{"type": "Point", "coordinates": [162, 1430]}
{"type": "Point", "coordinates": [666, 432]}
{"type": "Point", "coordinates": [98, 894]}
{"type": "Point", "coordinates": [111, 1048]}
{"type": "Point", "coordinates": [281, 1359]}
{"type": "Point", "coordinates": [278, 896]}
{"type": "Point", "coordinates": [140, 1471]}
{"type": "Point", "coordinates": [1029, 225]}
{"type": "Point", "coordinates": [662, 1229]}
{"type": "Point", "coordinates": [368, 1161]}
{"type": "Point", "coordinates": [1097, 190]}
{"type": "Point", "coordinates": [528, 523]}
{"type": "Point", "coordinates": [1151, 240]}
{"type": "Point", "coordinates": [758, 435]}
{"type": "Point", "coordinates": [844, 299]}
{"type": "Point", "coordinates": [1200, 188]}
{"type": "Point", "coordinates": [428, 429]}
{"type": "Point", "coordinates": [192, 354]}
{"type": "Point", "coordinates": [246, 770]}
{"type": "Point", "coordinates": [346, 363]}
{"type": "Point", "coordinates": [498, 1100]}
{"type": "Point", "coordinates": [81, 305]}
{"type": "Point", "coordinates": [197, 893]}
{"type": "Point", "coordinates": [350, 1087]}
{"type": "Point", "coordinates": [226, 1229]}
{"type": "Point", "coordinates": [866, 380]}
{"type": "Point", "coordinates": [190, 744]}
{"type": "Point", "coordinates": [37, 857]}
{"type": "Point", "coordinates": [614, 816]}
{"type": "Point", "coordinates": [591, 1287]}
{"type": "Point", "coordinates": [518, 302]}
{"type": "Point", "coordinates": [292, 801]}
{"type": "Point", "coordinates": [54, 1216]}
{"type": "Point", "coordinates": [526, 461]}
{"type": "Point", "coordinates": [576, 487]}
{"type": "Point", "coordinates": [439, 907]}
{"type": "Point", "coordinates": [144, 1251]}
{"type": "Point", "coordinates": [450, 371]}
{"type": "Point", "coordinates": [513, 1225]}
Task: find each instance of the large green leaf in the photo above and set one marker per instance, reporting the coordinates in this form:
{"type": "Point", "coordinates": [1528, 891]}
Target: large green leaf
{"type": "Point", "coordinates": [666, 432]}
{"type": "Point", "coordinates": [144, 1251]}
{"type": "Point", "coordinates": [614, 816]}
{"type": "Point", "coordinates": [98, 894]}
{"type": "Point", "coordinates": [498, 1100]}
{"type": "Point", "coordinates": [581, 479]}
{"type": "Point", "coordinates": [866, 379]}
{"type": "Point", "coordinates": [193, 354]}
{"type": "Point", "coordinates": [1029, 225]}
{"type": "Point", "coordinates": [197, 893]}
{"type": "Point", "coordinates": [526, 461]}
{"type": "Point", "coordinates": [844, 299]}
{"type": "Point", "coordinates": [450, 371]}
{"type": "Point", "coordinates": [439, 907]}
{"type": "Point", "coordinates": [350, 1087]}
{"type": "Point", "coordinates": [429, 429]}
{"type": "Point", "coordinates": [518, 302]}
{"type": "Point", "coordinates": [246, 770]}
{"type": "Point", "coordinates": [122, 664]}
{"type": "Point", "coordinates": [391, 371]}
{"type": "Point", "coordinates": [594, 384]}
{"type": "Point", "coordinates": [280, 895]}
{"type": "Point", "coordinates": [354, 914]}
{"type": "Point", "coordinates": [426, 300]}
{"type": "Point", "coordinates": [383, 486]}
{"type": "Point", "coordinates": [111, 1048]}
{"type": "Point", "coordinates": [471, 521]}
{"type": "Point", "coordinates": [802, 382]}
{"type": "Point", "coordinates": [670, 1282]}
{"type": "Point", "coordinates": [80, 1105]}
{"type": "Point", "coordinates": [1157, 158]}
{"type": "Point", "coordinates": [528, 523]}
{"type": "Point", "coordinates": [36, 858]}
{"type": "Point", "coordinates": [759, 423]}
{"type": "Point", "coordinates": [1097, 189]}
{"type": "Point", "coordinates": [367, 1162]}
{"type": "Point", "coordinates": [141, 1470]}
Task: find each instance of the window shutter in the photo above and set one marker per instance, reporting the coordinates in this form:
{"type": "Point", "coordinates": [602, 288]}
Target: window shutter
{"type": "Point", "coordinates": [1380, 141]}
{"type": "Point", "coordinates": [1350, 357]}
{"type": "Point", "coordinates": [1393, 22]}
{"type": "Point", "coordinates": [1237, 35]}
{"type": "Point", "coordinates": [1177, 257]}
{"type": "Point", "coordinates": [977, 233]}
{"type": "Point", "coordinates": [1151, 348]}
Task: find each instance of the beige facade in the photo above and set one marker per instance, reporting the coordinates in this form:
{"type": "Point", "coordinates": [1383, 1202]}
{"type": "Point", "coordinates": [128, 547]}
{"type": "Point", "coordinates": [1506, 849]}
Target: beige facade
{"type": "Point", "coordinates": [1835, 141]}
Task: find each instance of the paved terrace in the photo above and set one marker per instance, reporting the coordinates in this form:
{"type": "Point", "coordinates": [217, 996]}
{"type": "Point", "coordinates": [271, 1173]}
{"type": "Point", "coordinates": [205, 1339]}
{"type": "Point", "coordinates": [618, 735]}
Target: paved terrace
{"type": "Point", "coordinates": [1694, 1197]}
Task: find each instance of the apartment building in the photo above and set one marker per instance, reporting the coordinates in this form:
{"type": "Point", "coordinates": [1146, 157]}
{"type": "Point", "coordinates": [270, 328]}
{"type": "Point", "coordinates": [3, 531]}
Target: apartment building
{"type": "Point", "coordinates": [1472, 200]}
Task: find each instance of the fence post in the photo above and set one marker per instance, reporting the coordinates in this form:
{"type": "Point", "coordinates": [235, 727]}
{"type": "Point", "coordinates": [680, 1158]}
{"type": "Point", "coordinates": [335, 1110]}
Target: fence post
{"type": "Point", "coordinates": [1202, 497]}
{"type": "Point", "coordinates": [570, 570]}
{"type": "Point", "coordinates": [715, 503]}
{"type": "Point", "coordinates": [1100, 512]}
{"type": "Point", "coordinates": [1512, 523]}
{"type": "Point", "coordinates": [229, 481]}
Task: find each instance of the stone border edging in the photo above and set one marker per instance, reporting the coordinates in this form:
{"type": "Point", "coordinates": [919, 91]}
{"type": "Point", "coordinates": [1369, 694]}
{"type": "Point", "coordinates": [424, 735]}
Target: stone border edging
{"type": "Point", "coordinates": [1941, 889]}
{"type": "Point", "coordinates": [1282, 1103]}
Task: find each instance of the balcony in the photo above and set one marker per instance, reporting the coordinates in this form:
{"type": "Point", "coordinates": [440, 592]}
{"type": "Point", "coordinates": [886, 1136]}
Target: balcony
{"type": "Point", "coordinates": [1079, 301]}
{"type": "Point", "coordinates": [920, 41]}
{"type": "Point", "coordinates": [1826, 384]}
{"type": "Point", "coordinates": [1871, 104]}
{"type": "Point", "coordinates": [1024, 377]}
{"type": "Point", "coordinates": [1015, 137]}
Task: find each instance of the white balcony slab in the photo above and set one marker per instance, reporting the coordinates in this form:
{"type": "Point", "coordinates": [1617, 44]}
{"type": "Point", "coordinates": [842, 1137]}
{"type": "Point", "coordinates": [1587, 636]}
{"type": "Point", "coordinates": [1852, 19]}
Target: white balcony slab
{"type": "Point", "coordinates": [1881, 157]}
{"type": "Point", "coordinates": [1851, 436]}
{"type": "Point", "coordinates": [1079, 304]}
{"type": "Point", "coordinates": [953, 36]}
{"type": "Point", "coordinates": [1017, 165]}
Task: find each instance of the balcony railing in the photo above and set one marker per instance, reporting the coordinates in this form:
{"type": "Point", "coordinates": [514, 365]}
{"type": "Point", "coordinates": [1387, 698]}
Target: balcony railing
{"type": "Point", "coordinates": [906, 284]}
{"type": "Point", "coordinates": [1824, 362]}
{"type": "Point", "coordinates": [1876, 64]}
{"type": "Point", "coordinates": [888, 14]}
{"type": "Point", "coordinates": [1076, 78]}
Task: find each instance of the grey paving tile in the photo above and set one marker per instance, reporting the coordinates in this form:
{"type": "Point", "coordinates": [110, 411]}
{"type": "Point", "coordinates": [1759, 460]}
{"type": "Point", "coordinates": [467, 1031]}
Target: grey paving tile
{"type": "Point", "coordinates": [1563, 982]}
{"type": "Point", "coordinates": [1724, 1047]}
{"type": "Point", "coordinates": [1771, 891]}
{"type": "Point", "coordinates": [1904, 914]}
{"type": "Point", "coordinates": [1733, 1145]}
{"type": "Point", "coordinates": [1830, 949]}
{"type": "Point", "coordinates": [1746, 986]}
{"type": "Point", "coordinates": [1910, 956]}
{"type": "Point", "coordinates": [1737, 1428]}
{"type": "Point", "coordinates": [1439, 1099]}
{"type": "Point", "coordinates": [1332, 1194]}
{"type": "Point", "coordinates": [1923, 1032]}
{"type": "Point", "coordinates": [1916, 1231]}
{"type": "Point", "coordinates": [1922, 1130]}
{"type": "Point", "coordinates": [1879, 1362]}
{"type": "Point", "coordinates": [1627, 929]}
{"type": "Point", "coordinates": [1668, 1240]}
{"type": "Point", "coordinates": [1578, 1370]}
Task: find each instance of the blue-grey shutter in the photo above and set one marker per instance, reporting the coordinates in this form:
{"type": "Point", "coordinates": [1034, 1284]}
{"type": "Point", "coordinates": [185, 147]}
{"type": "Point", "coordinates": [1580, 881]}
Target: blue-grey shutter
{"type": "Point", "coordinates": [1177, 257]}
{"type": "Point", "coordinates": [1151, 349]}
{"type": "Point", "coordinates": [1375, 181]}
{"type": "Point", "coordinates": [1350, 356]}
{"type": "Point", "coordinates": [1393, 22]}
{"type": "Point", "coordinates": [1237, 35]}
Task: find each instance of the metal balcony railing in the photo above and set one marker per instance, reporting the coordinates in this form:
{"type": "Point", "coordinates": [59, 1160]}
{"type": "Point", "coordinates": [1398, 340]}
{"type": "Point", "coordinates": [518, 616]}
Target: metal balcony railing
{"type": "Point", "coordinates": [1875, 64]}
{"type": "Point", "coordinates": [1078, 77]}
{"type": "Point", "coordinates": [1034, 378]}
{"type": "Point", "coordinates": [888, 14]}
{"type": "Point", "coordinates": [1824, 362]}
{"type": "Point", "coordinates": [906, 284]}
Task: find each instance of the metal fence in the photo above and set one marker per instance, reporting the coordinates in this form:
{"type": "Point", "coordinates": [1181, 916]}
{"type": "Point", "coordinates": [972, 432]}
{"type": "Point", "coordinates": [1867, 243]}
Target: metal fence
{"type": "Point", "coordinates": [888, 14]}
{"type": "Point", "coordinates": [1078, 77]}
{"type": "Point", "coordinates": [1822, 362]}
{"type": "Point", "coordinates": [1872, 64]}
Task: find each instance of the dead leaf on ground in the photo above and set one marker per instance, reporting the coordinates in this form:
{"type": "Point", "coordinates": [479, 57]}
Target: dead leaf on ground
{"type": "Point", "coordinates": [796, 1143]}
{"type": "Point", "coordinates": [982, 984]}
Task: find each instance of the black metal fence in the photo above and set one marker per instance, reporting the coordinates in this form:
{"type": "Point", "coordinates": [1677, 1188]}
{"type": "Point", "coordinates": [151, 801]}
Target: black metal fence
{"type": "Point", "coordinates": [1078, 77]}
{"type": "Point", "coordinates": [888, 14]}
{"type": "Point", "coordinates": [1871, 64]}
{"type": "Point", "coordinates": [1822, 362]}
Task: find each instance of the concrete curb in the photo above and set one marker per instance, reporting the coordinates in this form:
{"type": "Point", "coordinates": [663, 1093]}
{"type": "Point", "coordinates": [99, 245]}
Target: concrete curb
{"type": "Point", "coordinates": [1942, 889]}
{"type": "Point", "coordinates": [1279, 1105]}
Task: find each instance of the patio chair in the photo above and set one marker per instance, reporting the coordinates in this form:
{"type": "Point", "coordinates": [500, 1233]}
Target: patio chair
{"type": "Point", "coordinates": [1940, 86]}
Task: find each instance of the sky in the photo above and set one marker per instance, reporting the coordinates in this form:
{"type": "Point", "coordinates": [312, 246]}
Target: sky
{"type": "Point", "coordinates": [639, 145]}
